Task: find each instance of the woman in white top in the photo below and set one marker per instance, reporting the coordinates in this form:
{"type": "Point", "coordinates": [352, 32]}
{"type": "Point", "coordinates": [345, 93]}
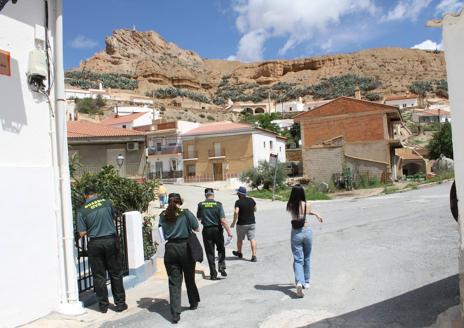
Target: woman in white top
{"type": "Point", "coordinates": [301, 237]}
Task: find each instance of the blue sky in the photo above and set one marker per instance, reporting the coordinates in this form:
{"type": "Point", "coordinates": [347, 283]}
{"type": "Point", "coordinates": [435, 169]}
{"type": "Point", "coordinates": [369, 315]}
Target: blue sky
{"type": "Point", "coordinates": [251, 30]}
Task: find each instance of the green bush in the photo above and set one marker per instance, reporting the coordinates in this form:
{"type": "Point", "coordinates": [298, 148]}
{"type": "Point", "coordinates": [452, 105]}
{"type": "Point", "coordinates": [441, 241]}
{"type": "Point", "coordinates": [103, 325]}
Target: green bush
{"type": "Point", "coordinates": [343, 85]}
{"type": "Point", "coordinates": [263, 176]}
{"type": "Point", "coordinates": [372, 96]}
{"type": "Point", "coordinates": [126, 194]}
{"type": "Point", "coordinates": [172, 92]}
{"type": "Point", "coordinates": [88, 106]}
{"type": "Point", "coordinates": [421, 88]}
{"type": "Point", "coordinates": [149, 247]}
{"type": "Point", "coordinates": [442, 142]}
{"type": "Point", "coordinates": [88, 79]}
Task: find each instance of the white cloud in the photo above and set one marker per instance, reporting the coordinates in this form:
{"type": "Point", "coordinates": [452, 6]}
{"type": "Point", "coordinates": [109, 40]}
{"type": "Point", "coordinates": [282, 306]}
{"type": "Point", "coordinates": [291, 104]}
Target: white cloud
{"type": "Point", "coordinates": [428, 45]}
{"type": "Point", "coordinates": [83, 42]}
{"type": "Point", "coordinates": [449, 6]}
{"type": "Point", "coordinates": [406, 9]}
{"type": "Point", "coordinates": [297, 21]}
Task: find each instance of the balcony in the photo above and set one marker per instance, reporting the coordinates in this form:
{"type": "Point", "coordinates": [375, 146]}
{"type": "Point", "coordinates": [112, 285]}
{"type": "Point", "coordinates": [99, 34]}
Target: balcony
{"type": "Point", "coordinates": [216, 153]}
{"type": "Point", "coordinates": [165, 150]}
{"type": "Point", "coordinates": [190, 155]}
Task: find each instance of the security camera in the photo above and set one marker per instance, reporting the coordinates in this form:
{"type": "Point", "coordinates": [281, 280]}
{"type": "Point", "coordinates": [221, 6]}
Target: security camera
{"type": "Point", "coordinates": [38, 69]}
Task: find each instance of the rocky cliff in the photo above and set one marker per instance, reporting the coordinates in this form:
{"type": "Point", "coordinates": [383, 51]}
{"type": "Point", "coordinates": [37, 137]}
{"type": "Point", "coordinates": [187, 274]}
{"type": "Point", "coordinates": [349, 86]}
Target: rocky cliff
{"type": "Point", "coordinates": [156, 63]}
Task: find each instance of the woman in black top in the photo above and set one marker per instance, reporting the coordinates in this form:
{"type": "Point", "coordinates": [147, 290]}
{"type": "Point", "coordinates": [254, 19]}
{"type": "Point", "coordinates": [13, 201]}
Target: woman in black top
{"type": "Point", "coordinates": [177, 224]}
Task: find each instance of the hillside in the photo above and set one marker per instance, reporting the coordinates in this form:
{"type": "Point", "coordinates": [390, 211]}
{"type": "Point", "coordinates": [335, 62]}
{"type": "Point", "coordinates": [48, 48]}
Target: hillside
{"type": "Point", "coordinates": [150, 64]}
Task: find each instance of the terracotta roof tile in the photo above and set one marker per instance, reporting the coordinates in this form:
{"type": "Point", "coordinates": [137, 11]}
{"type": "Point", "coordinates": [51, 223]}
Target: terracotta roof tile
{"type": "Point", "coordinates": [122, 119]}
{"type": "Point", "coordinates": [407, 153]}
{"type": "Point", "coordinates": [218, 127]}
{"type": "Point", "coordinates": [85, 129]}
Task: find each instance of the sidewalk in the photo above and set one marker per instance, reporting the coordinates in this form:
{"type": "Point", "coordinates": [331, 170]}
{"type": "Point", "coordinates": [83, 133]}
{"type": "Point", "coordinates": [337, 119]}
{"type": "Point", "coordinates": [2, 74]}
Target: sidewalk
{"type": "Point", "coordinates": [151, 295]}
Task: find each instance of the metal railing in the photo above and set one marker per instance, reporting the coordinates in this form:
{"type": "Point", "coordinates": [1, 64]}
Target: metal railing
{"type": "Point", "coordinates": [84, 272]}
{"type": "Point", "coordinates": [190, 154]}
{"type": "Point", "coordinates": [165, 150]}
{"type": "Point", "coordinates": [165, 175]}
{"type": "Point", "coordinates": [206, 178]}
{"type": "Point", "coordinates": [216, 152]}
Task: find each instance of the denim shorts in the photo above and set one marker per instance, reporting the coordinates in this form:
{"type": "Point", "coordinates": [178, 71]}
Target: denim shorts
{"type": "Point", "coordinates": [246, 230]}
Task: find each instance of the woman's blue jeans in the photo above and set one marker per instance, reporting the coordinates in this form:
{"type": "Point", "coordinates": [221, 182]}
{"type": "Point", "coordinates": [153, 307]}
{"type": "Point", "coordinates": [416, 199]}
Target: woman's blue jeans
{"type": "Point", "coordinates": [301, 241]}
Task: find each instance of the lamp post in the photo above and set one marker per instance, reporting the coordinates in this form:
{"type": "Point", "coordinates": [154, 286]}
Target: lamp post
{"type": "Point", "coordinates": [120, 162]}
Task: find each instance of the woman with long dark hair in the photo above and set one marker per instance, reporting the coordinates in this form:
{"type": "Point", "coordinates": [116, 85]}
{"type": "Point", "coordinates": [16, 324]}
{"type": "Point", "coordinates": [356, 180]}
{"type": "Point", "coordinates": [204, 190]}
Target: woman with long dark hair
{"type": "Point", "coordinates": [301, 237]}
{"type": "Point", "coordinates": [177, 224]}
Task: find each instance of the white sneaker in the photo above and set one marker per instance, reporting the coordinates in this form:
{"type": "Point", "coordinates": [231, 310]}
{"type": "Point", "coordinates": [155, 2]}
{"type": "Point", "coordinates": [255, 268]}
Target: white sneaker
{"type": "Point", "coordinates": [299, 290]}
{"type": "Point", "coordinates": [306, 286]}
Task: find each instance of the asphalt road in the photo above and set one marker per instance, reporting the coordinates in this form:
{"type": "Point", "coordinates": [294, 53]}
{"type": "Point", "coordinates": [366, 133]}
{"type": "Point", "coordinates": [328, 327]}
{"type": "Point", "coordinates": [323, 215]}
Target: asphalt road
{"type": "Point", "coordinates": [388, 261]}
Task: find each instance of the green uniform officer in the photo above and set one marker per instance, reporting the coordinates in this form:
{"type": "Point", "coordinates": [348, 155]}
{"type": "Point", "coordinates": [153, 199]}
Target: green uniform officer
{"type": "Point", "coordinates": [211, 214]}
{"type": "Point", "coordinates": [177, 224]}
{"type": "Point", "coordinates": [95, 219]}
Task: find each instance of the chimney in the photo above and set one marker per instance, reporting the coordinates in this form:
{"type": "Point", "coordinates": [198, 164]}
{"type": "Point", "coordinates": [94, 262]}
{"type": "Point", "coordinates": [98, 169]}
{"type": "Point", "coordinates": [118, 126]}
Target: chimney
{"type": "Point", "coordinates": [357, 93]}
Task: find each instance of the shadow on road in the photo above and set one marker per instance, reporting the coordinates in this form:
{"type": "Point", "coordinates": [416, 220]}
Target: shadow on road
{"type": "Point", "coordinates": [287, 289]}
{"type": "Point", "coordinates": [157, 305]}
{"type": "Point", "coordinates": [417, 308]}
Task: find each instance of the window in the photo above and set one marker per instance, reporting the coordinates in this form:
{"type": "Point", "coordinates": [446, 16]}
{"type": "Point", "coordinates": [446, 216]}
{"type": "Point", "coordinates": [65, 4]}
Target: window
{"type": "Point", "coordinates": [191, 151]}
{"type": "Point", "coordinates": [280, 149]}
{"type": "Point", "coordinates": [271, 145]}
{"type": "Point", "coordinates": [158, 146]}
{"type": "Point", "coordinates": [264, 144]}
{"type": "Point", "coordinates": [290, 108]}
{"type": "Point", "coordinates": [173, 164]}
{"type": "Point", "coordinates": [123, 126]}
{"type": "Point", "coordinates": [217, 149]}
{"type": "Point", "coordinates": [191, 170]}
{"type": "Point", "coordinates": [405, 105]}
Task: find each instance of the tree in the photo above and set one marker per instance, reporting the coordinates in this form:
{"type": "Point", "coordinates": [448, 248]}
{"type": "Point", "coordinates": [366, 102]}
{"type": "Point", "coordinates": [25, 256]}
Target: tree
{"type": "Point", "coordinates": [441, 142]}
{"type": "Point", "coordinates": [263, 175]}
{"type": "Point", "coordinates": [87, 106]}
{"type": "Point", "coordinates": [264, 121]}
{"type": "Point", "coordinates": [100, 102]}
{"type": "Point", "coordinates": [421, 88]}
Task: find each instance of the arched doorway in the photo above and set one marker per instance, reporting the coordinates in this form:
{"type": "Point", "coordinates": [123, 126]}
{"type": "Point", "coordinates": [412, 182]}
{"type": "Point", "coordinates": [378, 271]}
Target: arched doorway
{"type": "Point", "coordinates": [248, 110]}
{"type": "Point", "coordinates": [412, 168]}
{"type": "Point", "coordinates": [259, 110]}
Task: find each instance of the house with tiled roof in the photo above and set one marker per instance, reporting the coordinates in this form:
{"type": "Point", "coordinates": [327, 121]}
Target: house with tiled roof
{"type": "Point", "coordinates": [409, 163]}
{"type": "Point", "coordinates": [130, 121]}
{"type": "Point", "coordinates": [165, 148]}
{"type": "Point", "coordinates": [223, 150]}
{"type": "Point", "coordinates": [97, 145]}
{"type": "Point", "coordinates": [350, 133]}
{"type": "Point", "coordinates": [402, 101]}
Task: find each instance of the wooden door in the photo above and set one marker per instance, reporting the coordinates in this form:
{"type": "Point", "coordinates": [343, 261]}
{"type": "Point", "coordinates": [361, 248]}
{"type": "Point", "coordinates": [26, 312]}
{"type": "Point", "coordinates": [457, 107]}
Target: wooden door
{"type": "Point", "coordinates": [217, 171]}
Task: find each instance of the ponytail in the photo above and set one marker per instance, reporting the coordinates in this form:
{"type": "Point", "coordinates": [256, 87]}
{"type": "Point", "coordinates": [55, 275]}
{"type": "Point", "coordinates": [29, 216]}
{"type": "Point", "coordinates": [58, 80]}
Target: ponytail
{"type": "Point", "coordinates": [172, 210]}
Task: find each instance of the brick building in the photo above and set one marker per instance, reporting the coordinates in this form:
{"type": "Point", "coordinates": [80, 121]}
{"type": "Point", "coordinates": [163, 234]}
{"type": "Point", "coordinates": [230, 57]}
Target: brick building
{"type": "Point", "coordinates": [348, 132]}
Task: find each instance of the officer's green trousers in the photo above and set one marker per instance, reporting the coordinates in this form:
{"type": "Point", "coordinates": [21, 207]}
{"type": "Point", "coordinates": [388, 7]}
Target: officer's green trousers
{"type": "Point", "coordinates": [104, 256]}
{"type": "Point", "coordinates": [178, 261]}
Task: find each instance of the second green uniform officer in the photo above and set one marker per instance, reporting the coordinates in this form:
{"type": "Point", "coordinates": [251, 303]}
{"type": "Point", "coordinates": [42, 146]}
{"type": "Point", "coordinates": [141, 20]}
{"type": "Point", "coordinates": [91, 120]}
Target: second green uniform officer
{"type": "Point", "coordinates": [177, 224]}
{"type": "Point", "coordinates": [211, 214]}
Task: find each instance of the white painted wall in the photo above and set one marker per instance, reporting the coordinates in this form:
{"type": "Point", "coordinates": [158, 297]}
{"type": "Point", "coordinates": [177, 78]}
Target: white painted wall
{"type": "Point", "coordinates": [184, 126]}
{"type": "Point", "coordinates": [29, 279]}
{"type": "Point", "coordinates": [402, 103]}
{"type": "Point", "coordinates": [262, 150]}
{"type": "Point", "coordinates": [79, 94]}
{"type": "Point", "coordinates": [453, 36]}
{"type": "Point", "coordinates": [290, 107]}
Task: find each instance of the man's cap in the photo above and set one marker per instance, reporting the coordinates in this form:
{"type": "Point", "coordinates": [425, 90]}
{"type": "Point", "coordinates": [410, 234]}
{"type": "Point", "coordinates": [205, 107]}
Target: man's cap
{"type": "Point", "coordinates": [242, 191]}
{"type": "Point", "coordinates": [209, 191]}
{"type": "Point", "coordinates": [90, 189]}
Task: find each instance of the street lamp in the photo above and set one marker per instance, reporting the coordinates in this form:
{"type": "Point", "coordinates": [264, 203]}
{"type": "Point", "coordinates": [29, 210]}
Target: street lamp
{"type": "Point", "coordinates": [120, 161]}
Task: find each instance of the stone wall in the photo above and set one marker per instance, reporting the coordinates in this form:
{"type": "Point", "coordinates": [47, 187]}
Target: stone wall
{"type": "Point", "coordinates": [320, 163]}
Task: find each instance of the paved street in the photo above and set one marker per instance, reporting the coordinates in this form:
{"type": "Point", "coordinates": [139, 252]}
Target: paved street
{"type": "Point", "coordinates": [388, 261]}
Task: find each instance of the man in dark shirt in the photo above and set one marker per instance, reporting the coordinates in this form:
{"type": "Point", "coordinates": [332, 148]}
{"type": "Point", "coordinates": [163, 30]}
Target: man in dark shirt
{"type": "Point", "coordinates": [211, 214]}
{"type": "Point", "coordinates": [244, 216]}
{"type": "Point", "coordinates": [95, 219]}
